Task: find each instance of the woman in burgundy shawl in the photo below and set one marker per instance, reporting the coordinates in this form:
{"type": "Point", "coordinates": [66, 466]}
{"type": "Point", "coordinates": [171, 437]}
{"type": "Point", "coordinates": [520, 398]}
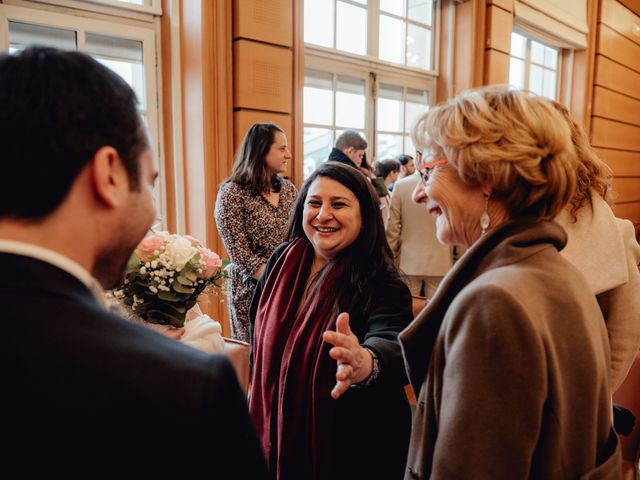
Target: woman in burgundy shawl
{"type": "Point", "coordinates": [327, 395]}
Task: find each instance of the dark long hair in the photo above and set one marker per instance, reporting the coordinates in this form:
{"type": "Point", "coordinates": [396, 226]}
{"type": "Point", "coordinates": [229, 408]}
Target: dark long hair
{"type": "Point", "coordinates": [368, 259]}
{"type": "Point", "coordinates": [249, 169]}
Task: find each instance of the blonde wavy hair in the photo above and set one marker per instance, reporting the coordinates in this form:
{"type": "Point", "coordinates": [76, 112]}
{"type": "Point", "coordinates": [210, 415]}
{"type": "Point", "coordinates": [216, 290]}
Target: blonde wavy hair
{"type": "Point", "coordinates": [516, 143]}
{"type": "Point", "coordinates": [593, 174]}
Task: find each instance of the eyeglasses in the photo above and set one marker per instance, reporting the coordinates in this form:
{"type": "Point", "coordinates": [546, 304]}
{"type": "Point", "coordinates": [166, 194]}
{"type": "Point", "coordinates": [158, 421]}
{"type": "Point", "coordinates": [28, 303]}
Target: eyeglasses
{"type": "Point", "coordinates": [427, 168]}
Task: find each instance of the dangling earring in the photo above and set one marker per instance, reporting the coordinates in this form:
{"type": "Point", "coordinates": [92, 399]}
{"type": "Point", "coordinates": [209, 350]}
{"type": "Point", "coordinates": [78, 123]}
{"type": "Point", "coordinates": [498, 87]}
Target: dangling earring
{"type": "Point", "coordinates": [485, 220]}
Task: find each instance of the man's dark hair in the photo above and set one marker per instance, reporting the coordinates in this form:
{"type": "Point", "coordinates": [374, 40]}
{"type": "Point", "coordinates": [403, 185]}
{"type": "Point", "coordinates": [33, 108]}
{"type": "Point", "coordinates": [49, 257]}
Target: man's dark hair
{"type": "Point", "coordinates": [369, 257]}
{"type": "Point", "coordinates": [382, 168]}
{"type": "Point", "coordinates": [351, 138]}
{"type": "Point", "coordinates": [403, 158]}
{"type": "Point", "coordinates": [249, 168]}
{"type": "Point", "coordinates": [57, 109]}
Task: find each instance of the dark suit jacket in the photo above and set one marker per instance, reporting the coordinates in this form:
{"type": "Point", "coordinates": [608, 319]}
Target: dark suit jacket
{"type": "Point", "coordinates": [86, 392]}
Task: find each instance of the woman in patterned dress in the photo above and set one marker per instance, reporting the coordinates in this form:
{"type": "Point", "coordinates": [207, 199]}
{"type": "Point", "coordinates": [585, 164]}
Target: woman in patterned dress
{"type": "Point", "coordinates": [252, 210]}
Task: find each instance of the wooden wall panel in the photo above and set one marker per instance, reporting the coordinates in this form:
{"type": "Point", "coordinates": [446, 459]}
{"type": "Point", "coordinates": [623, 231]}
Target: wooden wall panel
{"type": "Point", "coordinates": [611, 134]}
{"type": "Point", "coordinates": [499, 27]}
{"type": "Point", "coordinates": [615, 127]}
{"type": "Point", "coordinates": [617, 77]}
{"type": "Point", "coordinates": [619, 48]}
{"type": "Point", "coordinates": [504, 4]}
{"type": "Point", "coordinates": [615, 106]}
{"type": "Point", "coordinates": [263, 76]}
{"type": "Point", "coordinates": [496, 67]}
{"type": "Point", "coordinates": [270, 21]}
{"type": "Point", "coordinates": [633, 5]}
{"type": "Point", "coordinates": [630, 211]}
{"type": "Point", "coordinates": [620, 19]}
{"type": "Point", "coordinates": [626, 189]}
{"type": "Point", "coordinates": [243, 119]}
{"type": "Point", "coordinates": [622, 163]}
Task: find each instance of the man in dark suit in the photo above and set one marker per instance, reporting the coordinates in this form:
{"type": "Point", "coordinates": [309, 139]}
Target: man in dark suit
{"type": "Point", "coordinates": [85, 392]}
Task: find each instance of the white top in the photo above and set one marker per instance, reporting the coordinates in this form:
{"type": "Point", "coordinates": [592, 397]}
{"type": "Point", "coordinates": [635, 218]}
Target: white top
{"type": "Point", "coordinates": [57, 260]}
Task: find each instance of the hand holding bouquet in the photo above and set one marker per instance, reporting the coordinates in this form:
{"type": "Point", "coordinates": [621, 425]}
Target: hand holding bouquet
{"type": "Point", "coordinates": [165, 275]}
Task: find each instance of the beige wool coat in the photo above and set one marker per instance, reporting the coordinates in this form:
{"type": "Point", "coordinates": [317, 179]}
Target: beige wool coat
{"type": "Point", "coordinates": [510, 360]}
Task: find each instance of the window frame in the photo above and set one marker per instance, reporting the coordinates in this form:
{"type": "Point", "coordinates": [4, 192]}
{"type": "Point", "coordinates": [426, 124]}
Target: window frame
{"type": "Point", "coordinates": [145, 33]}
{"type": "Point", "coordinates": [559, 71]}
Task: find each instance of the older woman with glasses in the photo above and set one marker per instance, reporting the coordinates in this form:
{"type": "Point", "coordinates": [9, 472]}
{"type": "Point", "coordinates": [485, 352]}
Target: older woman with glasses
{"type": "Point", "coordinates": [510, 357]}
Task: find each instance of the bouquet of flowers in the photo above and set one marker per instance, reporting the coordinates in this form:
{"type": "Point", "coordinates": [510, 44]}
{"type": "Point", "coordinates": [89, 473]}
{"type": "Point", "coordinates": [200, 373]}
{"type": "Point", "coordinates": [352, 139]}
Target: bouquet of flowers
{"type": "Point", "coordinates": [165, 275]}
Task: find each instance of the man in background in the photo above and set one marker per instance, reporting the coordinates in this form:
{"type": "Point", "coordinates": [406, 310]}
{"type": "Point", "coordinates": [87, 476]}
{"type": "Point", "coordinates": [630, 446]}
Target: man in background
{"type": "Point", "coordinates": [411, 233]}
{"type": "Point", "coordinates": [407, 166]}
{"type": "Point", "coordinates": [84, 391]}
{"type": "Point", "coordinates": [350, 149]}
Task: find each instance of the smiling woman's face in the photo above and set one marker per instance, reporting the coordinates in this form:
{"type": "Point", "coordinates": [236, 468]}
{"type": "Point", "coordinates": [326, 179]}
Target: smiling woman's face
{"type": "Point", "coordinates": [331, 218]}
{"type": "Point", "coordinates": [456, 206]}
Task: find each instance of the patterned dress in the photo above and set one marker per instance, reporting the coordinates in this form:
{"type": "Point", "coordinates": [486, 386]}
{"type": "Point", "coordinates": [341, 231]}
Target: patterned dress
{"type": "Point", "coordinates": [251, 228]}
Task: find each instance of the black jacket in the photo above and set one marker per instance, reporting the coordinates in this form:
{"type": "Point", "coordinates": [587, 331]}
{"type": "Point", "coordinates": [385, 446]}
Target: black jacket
{"type": "Point", "coordinates": [86, 392]}
{"type": "Point", "coordinates": [336, 155]}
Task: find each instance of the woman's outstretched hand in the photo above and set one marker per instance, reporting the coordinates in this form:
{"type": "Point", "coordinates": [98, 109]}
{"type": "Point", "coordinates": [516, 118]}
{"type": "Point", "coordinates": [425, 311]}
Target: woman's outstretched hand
{"type": "Point", "coordinates": [354, 362]}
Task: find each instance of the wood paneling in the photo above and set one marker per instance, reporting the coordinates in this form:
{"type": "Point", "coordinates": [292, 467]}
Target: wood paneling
{"type": "Point", "coordinates": [612, 105]}
{"type": "Point", "coordinates": [496, 67]}
{"type": "Point", "coordinates": [243, 119]}
{"type": "Point", "coordinates": [619, 48]}
{"type": "Point", "coordinates": [617, 77]}
{"type": "Point", "coordinates": [505, 4]}
{"type": "Point", "coordinates": [611, 134]}
{"type": "Point", "coordinates": [469, 41]}
{"type": "Point", "coordinates": [630, 211]}
{"type": "Point", "coordinates": [633, 5]}
{"type": "Point", "coordinates": [263, 76]}
{"type": "Point", "coordinates": [620, 19]}
{"type": "Point", "coordinates": [267, 21]}
{"type": "Point", "coordinates": [499, 27]}
{"type": "Point", "coordinates": [626, 189]}
{"type": "Point", "coordinates": [622, 163]}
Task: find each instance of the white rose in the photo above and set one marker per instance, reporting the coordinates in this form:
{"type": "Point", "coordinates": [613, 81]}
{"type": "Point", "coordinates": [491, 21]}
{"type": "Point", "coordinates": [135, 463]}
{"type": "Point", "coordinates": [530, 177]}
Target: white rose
{"type": "Point", "coordinates": [180, 251]}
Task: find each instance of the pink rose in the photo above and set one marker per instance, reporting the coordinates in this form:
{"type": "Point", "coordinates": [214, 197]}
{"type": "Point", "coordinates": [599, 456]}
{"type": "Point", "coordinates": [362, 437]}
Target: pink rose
{"type": "Point", "coordinates": [211, 263]}
{"type": "Point", "coordinates": [194, 241]}
{"type": "Point", "coordinates": [145, 250]}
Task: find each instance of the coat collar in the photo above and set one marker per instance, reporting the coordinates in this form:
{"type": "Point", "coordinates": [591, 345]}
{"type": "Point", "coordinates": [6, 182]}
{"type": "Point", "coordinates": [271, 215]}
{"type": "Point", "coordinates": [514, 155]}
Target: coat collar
{"type": "Point", "coordinates": [507, 244]}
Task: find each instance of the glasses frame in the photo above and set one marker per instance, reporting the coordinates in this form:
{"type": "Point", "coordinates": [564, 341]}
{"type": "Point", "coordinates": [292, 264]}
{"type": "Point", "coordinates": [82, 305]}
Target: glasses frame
{"type": "Point", "coordinates": [426, 168]}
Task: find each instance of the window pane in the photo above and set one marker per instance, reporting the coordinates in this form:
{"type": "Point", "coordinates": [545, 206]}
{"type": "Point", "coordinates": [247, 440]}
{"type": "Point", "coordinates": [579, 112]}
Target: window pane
{"type": "Point", "coordinates": [390, 115]}
{"type": "Point", "coordinates": [121, 55]}
{"type": "Point", "coordinates": [363, 2]}
{"type": "Point", "coordinates": [350, 110]}
{"type": "Point", "coordinates": [549, 84]}
{"type": "Point", "coordinates": [518, 45]}
{"type": "Point", "coordinates": [351, 84]}
{"type": "Point", "coordinates": [395, 7]}
{"type": "Point", "coordinates": [351, 28]}
{"type": "Point", "coordinates": [318, 22]}
{"type": "Point", "coordinates": [388, 146]}
{"type": "Point", "coordinates": [420, 11]}
{"type": "Point", "coordinates": [535, 79]}
{"type": "Point", "coordinates": [23, 34]}
{"type": "Point", "coordinates": [418, 47]}
{"type": "Point", "coordinates": [391, 40]}
{"type": "Point", "coordinates": [516, 73]}
{"type": "Point", "coordinates": [414, 109]}
{"type": "Point", "coordinates": [409, 148]}
{"type": "Point", "coordinates": [551, 57]}
{"type": "Point", "coordinates": [537, 53]}
{"type": "Point", "coordinates": [317, 145]}
{"type": "Point", "coordinates": [318, 106]}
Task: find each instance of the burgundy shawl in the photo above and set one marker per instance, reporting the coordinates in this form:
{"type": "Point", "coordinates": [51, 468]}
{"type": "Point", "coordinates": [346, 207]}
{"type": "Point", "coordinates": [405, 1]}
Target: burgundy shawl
{"type": "Point", "coordinates": [293, 374]}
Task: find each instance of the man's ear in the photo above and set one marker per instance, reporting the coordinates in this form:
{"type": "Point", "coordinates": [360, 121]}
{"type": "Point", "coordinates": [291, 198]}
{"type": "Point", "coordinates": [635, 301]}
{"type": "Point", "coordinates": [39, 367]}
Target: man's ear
{"type": "Point", "coordinates": [109, 177]}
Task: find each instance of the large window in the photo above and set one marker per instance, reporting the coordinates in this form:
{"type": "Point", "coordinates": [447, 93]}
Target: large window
{"type": "Point", "coordinates": [126, 49]}
{"type": "Point", "coordinates": [396, 31]}
{"type": "Point", "coordinates": [534, 66]}
{"type": "Point", "coordinates": [370, 67]}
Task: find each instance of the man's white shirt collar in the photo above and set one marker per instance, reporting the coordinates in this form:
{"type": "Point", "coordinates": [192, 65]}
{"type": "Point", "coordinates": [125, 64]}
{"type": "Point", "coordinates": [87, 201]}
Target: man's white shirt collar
{"type": "Point", "coordinates": [57, 260]}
